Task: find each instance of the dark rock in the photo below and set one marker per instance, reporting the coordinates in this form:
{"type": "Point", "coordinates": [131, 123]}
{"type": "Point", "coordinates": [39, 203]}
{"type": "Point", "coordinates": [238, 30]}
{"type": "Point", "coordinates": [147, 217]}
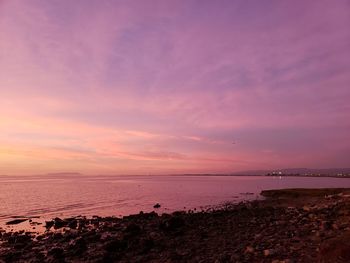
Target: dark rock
{"type": "Point", "coordinates": [82, 224]}
{"type": "Point", "coordinates": [336, 248]}
{"type": "Point", "coordinates": [57, 236]}
{"type": "Point", "coordinates": [115, 245]}
{"type": "Point", "coordinates": [142, 215]}
{"type": "Point", "coordinates": [79, 246]}
{"type": "Point", "coordinates": [40, 237]}
{"type": "Point", "coordinates": [59, 223]}
{"type": "Point", "coordinates": [172, 224]}
{"type": "Point", "coordinates": [73, 224]}
{"type": "Point", "coordinates": [69, 235]}
{"type": "Point", "coordinates": [146, 245]}
{"type": "Point", "coordinates": [157, 205]}
{"type": "Point", "coordinates": [56, 252]}
{"type": "Point", "coordinates": [326, 225]}
{"type": "Point", "coordinates": [19, 241]}
{"type": "Point", "coordinates": [148, 215]}
{"type": "Point", "coordinates": [176, 256]}
{"type": "Point", "coordinates": [10, 256]}
{"type": "Point", "coordinates": [179, 213]}
{"type": "Point", "coordinates": [133, 229]}
{"type": "Point", "coordinates": [49, 224]}
{"type": "Point", "coordinates": [16, 221]}
{"type": "Point", "coordinates": [6, 235]}
{"type": "Point", "coordinates": [92, 236]}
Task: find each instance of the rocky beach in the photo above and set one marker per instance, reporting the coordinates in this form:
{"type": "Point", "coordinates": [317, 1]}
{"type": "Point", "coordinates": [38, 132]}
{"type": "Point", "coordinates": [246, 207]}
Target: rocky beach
{"type": "Point", "coordinates": [292, 225]}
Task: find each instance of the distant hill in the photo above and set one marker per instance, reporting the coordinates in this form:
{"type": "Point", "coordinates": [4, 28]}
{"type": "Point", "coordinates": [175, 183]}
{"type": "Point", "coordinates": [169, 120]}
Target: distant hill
{"type": "Point", "coordinates": [301, 171]}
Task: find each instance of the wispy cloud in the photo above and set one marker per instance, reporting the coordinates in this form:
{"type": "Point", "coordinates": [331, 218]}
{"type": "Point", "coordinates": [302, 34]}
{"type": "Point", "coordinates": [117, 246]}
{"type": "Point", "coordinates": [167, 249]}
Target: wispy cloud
{"type": "Point", "coordinates": [173, 84]}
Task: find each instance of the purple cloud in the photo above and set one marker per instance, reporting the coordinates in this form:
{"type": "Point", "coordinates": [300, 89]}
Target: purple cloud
{"type": "Point", "coordinates": [172, 84]}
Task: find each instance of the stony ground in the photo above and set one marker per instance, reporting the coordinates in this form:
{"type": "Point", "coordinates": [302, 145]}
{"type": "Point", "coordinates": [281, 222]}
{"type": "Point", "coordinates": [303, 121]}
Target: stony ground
{"type": "Point", "coordinates": [290, 226]}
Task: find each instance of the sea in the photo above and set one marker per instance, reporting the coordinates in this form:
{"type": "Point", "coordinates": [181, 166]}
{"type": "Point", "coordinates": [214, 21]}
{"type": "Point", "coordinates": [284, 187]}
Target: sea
{"type": "Point", "coordinates": [51, 196]}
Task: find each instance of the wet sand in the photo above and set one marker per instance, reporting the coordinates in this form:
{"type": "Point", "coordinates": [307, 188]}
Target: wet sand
{"type": "Point", "coordinates": [293, 225]}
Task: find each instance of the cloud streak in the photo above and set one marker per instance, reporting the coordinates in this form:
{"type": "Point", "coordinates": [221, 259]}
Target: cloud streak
{"type": "Point", "coordinates": [133, 87]}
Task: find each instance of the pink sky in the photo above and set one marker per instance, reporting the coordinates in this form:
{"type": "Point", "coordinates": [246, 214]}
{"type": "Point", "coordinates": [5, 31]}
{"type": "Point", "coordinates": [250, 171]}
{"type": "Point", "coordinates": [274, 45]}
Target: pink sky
{"type": "Point", "coordinates": [154, 87]}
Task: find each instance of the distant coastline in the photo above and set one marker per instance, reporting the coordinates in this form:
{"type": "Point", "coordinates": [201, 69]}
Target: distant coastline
{"type": "Point", "coordinates": [297, 172]}
{"type": "Point", "coordinates": [334, 173]}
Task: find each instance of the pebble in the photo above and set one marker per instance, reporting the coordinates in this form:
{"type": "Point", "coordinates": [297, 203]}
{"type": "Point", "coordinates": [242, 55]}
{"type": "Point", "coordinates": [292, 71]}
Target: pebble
{"type": "Point", "coordinates": [249, 249]}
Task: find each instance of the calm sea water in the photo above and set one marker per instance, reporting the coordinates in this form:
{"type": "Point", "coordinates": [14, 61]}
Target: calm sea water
{"type": "Point", "coordinates": [51, 196]}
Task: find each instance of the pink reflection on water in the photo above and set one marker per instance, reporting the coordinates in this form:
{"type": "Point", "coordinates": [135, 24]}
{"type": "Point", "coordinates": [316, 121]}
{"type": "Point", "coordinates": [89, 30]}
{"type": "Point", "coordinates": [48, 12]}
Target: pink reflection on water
{"type": "Point", "coordinates": [50, 197]}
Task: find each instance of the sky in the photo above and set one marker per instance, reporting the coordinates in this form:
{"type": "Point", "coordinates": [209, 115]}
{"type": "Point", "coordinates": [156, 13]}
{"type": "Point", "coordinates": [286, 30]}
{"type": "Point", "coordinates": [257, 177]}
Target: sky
{"type": "Point", "coordinates": [167, 87]}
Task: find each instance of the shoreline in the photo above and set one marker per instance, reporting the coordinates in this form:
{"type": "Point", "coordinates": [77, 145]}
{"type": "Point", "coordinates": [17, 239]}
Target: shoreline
{"type": "Point", "coordinates": [48, 176]}
{"type": "Point", "coordinates": [290, 225]}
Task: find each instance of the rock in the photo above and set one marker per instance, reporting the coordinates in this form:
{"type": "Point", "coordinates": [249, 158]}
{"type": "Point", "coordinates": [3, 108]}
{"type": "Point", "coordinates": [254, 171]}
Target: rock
{"type": "Point", "coordinates": [336, 248]}
{"type": "Point", "coordinates": [19, 239]}
{"type": "Point", "coordinates": [73, 224]}
{"type": "Point", "coordinates": [257, 236]}
{"type": "Point", "coordinates": [115, 245]}
{"type": "Point", "coordinates": [306, 208]}
{"type": "Point", "coordinates": [79, 245]}
{"type": "Point", "coordinates": [326, 225]}
{"type": "Point", "coordinates": [172, 224]}
{"type": "Point", "coordinates": [56, 252]}
{"type": "Point", "coordinates": [311, 216]}
{"type": "Point", "coordinates": [268, 252]}
{"type": "Point", "coordinates": [133, 229]}
{"type": "Point", "coordinates": [59, 223]}
{"type": "Point", "coordinates": [16, 221]}
{"type": "Point", "coordinates": [57, 236]}
{"type": "Point", "coordinates": [149, 215]}
{"type": "Point", "coordinates": [40, 237]}
{"type": "Point", "coordinates": [70, 234]}
{"type": "Point", "coordinates": [154, 235]}
{"type": "Point", "coordinates": [157, 205]}
{"type": "Point", "coordinates": [146, 245]}
{"type": "Point", "coordinates": [49, 224]}
{"type": "Point", "coordinates": [249, 249]}
{"type": "Point", "coordinates": [10, 256]}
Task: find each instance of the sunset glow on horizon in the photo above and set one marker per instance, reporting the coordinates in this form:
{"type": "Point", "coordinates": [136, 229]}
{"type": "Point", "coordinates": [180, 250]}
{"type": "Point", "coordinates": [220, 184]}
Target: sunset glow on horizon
{"type": "Point", "coordinates": [170, 87]}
